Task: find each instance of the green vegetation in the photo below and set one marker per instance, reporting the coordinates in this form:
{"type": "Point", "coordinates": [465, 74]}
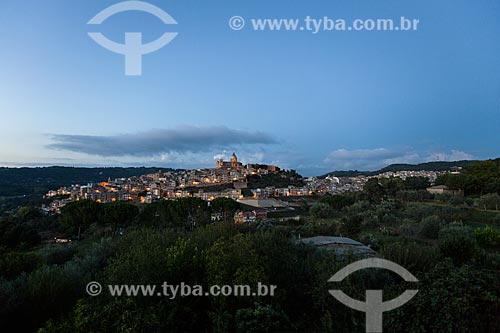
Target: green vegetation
{"type": "Point", "coordinates": [479, 178]}
{"type": "Point", "coordinates": [176, 241]}
{"type": "Point", "coordinates": [451, 244]}
{"type": "Point", "coordinates": [428, 166]}
{"type": "Point", "coordinates": [30, 181]}
{"type": "Point", "coordinates": [281, 178]}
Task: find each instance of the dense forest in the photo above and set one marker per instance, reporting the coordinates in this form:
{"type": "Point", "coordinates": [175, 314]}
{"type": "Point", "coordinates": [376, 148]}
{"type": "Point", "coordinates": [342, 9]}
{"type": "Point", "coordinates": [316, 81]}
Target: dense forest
{"type": "Point", "coordinates": [478, 179]}
{"type": "Point", "coordinates": [281, 178]}
{"type": "Point", "coordinates": [30, 181]}
{"type": "Point", "coordinates": [450, 243]}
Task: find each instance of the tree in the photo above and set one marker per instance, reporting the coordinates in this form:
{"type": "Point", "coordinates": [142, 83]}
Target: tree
{"type": "Point", "coordinates": [15, 234]}
{"type": "Point", "coordinates": [488, 237]}
{"type": "Point", "coordinates": [416, 183]}
{"type": "Point", "coordinates": [453, 181]}
{"type": "Point", "coordinates": [374, 189]}
{"type": "Point", "coordinates": [81, 214]}
{"type": "Point", "coordinates": [118, 214]}
{"type": "Point", "coordinates": [234, 262]}
{"type": "Point", "coordinates": [262, 318]}
{"type": "Point", "coordinates": [479, 175]}
{"type": "Point", "coordinates": [430, 227]}
{"type": "Point", "coordinates": [194, 212]}
{"type": "Point", "coordinates": [489, 201]}
{"type": "Point", "coordinates": [450, 299]}
{"type": "Point", "coordinates": [392, 185]}
{"type": "Point", "coordinates": [458, 242]}
{"type": "Point", "coordinates": [338, 201]}
{"type": "Point", "coordinates": [351, 225]}
{"type": "Point", "coordinates": [14, 263]}
{"type": "Point", "coordinates": [224, 206]}
{"type": "Point", "coordinates": [321, 210]}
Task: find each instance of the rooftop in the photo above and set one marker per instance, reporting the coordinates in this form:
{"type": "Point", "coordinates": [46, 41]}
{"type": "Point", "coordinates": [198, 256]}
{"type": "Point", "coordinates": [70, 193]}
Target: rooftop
{"type": "Point", "coordinates": [341, 245]}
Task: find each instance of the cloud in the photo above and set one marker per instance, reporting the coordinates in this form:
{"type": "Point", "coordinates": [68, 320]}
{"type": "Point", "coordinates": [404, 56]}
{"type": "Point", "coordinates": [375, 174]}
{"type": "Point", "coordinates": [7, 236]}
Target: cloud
{"type": "Point", "coordinates": [160, 141]}
{"type": "Point", "coordinates": [373, 159]}
{"type": "Point", "coordinates": [455, 155]}
{"type": "Point", "coordinates": [220, 157]}
{"type": "Point", "coordinates": [344, 154]}
{"type": "Point", "coordinates": [366, 159]}
{"type": "Point", "coordinates": [245, 156]}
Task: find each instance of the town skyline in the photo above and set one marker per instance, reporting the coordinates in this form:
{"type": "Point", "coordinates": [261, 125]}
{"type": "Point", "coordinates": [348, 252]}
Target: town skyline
{"type": "Point", "coordinates": [226, 156]}
{"type": "Point", "coordinates": [311, 102]}
{"type": "Point", "coordinates": [255, 185]}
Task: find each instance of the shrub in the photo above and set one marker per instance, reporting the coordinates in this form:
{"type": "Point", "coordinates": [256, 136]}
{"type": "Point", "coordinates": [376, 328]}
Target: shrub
{"type": "Point", "coordinates": [412, 256]}
{"type": "Point", "coordinates": [58, 254]}
{"type": "Point", "coordinates": [321, 210]}
{"type": "Point", "coordinates": [458, 242]}
{"type": "Point", "coordinates": [450, 299]}
{"type": "Point", "coordinates": [370, 219]}
{"type": "Point", "coordinates": [15, 263]}
{"type": "Point", "coordinates": [372, 241]}
{"type": "Point", "coordinates": [260, 319]}
{"type": "Point", "coordinates": [351, 225]}
{"type": "Point", "coordinates": [409, 228]}
{"type": "Point", "coordinates": [456, 200]}
{"type": "Point", "coordinates": [338, 202]}
{"type": "Point", "coordinates": [489, 201]}
{"type": "Point", "coordinates": [488, 237]}
{"type": "Point", "coordinates": [359, 207]}
{"type": "Point", "coordinates": [390, 219]}
{"type": "Point", "coordinates": [430, 227]}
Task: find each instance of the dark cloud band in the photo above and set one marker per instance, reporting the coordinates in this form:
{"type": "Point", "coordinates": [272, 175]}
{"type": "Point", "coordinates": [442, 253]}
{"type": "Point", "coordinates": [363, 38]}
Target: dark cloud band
{"type": "Point", "coordinates": [180, 140]}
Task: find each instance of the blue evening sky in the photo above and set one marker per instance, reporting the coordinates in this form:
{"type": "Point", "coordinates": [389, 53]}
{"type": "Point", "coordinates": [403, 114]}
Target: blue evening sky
{"type": "Point", "coordinates": [312, 102]}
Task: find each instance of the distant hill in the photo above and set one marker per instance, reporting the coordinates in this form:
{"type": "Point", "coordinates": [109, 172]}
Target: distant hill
{"type": "Point", "coordinates": [35, 181]}
{"type": "Point", "coordinates": [348, 173]}
{"type": "Point", "coordinates": [428, 166]}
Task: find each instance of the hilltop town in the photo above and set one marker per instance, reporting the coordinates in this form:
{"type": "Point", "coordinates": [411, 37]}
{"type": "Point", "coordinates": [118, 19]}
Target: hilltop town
{"type": "Point", "coordinates": [255, 185]}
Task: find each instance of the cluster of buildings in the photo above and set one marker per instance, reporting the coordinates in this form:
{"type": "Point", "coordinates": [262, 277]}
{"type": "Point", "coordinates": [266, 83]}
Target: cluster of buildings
{"type": "Point", "coordinates": [431, 175]}
{"type": "Point", "coordinates": [228, 179]}
{"type": "Point", "coordinates": [338, 185]}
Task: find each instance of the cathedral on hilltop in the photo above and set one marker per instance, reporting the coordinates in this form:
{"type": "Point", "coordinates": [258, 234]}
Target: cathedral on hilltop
{"type": "Point", "coordinates": [233, 163]}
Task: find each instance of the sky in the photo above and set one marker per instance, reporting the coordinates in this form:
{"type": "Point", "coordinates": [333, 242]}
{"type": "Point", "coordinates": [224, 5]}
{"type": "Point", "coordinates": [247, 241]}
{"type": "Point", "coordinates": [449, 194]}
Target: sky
{"type": "Point", "coordinates": [314, 102]}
